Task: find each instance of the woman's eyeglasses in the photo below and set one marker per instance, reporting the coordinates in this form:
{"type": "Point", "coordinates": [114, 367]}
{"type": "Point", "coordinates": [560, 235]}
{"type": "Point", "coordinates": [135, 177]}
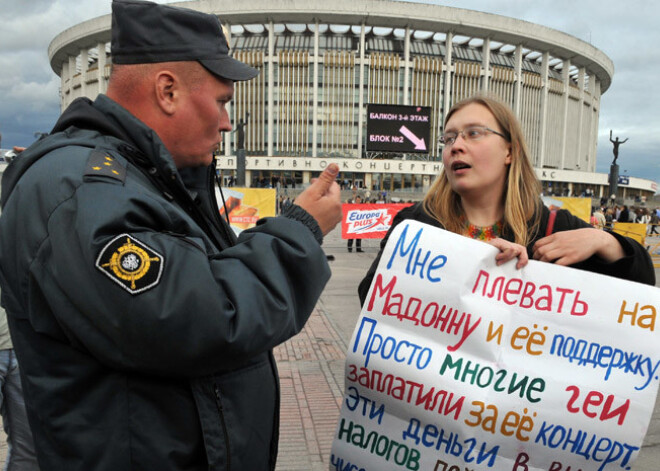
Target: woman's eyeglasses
{"type": "Point", "coordinates": [471, 133]}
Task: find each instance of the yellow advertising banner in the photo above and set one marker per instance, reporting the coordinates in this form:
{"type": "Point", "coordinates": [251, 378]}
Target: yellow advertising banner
{"type": "Point", "coordinates": [246, 206]}
{"type": "Point", "coordinates": [635, 231]}
{"type": "Point", "coordinates": [580, 207]}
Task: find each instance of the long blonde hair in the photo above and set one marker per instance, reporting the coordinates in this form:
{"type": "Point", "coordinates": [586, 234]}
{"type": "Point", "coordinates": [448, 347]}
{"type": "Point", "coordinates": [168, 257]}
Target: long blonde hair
{"type": "Point", "coordinates": [522, 188]}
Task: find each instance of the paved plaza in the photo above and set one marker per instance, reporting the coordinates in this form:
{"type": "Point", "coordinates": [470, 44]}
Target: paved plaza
{"type": "Point", "coordinates": [311, 367]}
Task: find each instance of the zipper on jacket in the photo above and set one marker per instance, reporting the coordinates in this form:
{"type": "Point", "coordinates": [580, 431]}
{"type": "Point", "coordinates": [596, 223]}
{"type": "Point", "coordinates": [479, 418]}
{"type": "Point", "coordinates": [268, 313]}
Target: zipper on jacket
{"type": "Point", "coordinates": [221, 413]}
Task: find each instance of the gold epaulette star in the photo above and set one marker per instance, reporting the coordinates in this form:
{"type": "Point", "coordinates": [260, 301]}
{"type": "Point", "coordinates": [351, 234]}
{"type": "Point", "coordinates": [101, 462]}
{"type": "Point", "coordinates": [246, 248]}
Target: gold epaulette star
{"type": "Point", "coordinates": [100, 163]}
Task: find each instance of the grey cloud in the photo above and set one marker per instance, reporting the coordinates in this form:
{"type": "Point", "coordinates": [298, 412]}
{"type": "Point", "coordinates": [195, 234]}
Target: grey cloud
{"type": "Point", "coordinates": [620, 30]}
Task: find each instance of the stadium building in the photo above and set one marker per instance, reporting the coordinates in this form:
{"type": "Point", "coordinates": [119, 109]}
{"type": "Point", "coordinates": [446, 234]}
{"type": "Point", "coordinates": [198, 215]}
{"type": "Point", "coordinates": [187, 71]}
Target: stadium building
{"type": "Point", "coordinates": [323, 65]}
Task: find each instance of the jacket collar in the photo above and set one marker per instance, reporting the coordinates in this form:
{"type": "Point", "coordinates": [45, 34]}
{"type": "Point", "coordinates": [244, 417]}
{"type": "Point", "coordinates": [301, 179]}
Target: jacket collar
{"type": "Point", "coordinates": [123, 125]}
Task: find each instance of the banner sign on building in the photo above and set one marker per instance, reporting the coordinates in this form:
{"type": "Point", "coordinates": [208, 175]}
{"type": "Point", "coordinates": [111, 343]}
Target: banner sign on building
{"type": "Point", "coordinates": [398, 128]}
{"type": "Point", "coordinates": [246, 206]}
{"type": "Point", "coordinates": [456, 363]}
{"type": "Point", "coordinates": [368, 221]}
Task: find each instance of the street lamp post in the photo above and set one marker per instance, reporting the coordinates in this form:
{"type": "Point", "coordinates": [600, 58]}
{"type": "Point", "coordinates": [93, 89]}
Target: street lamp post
{"type": "Point", "coordinates": [240, 151]}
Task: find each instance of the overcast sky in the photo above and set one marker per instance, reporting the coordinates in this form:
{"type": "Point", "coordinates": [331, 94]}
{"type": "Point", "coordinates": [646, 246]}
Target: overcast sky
{"type": "Point", "coordinates": [628, 32]}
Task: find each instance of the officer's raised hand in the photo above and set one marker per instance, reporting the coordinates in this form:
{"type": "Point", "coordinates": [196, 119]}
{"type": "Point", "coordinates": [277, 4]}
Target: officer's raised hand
{"type": "Point", "coordinates": [322, 199]}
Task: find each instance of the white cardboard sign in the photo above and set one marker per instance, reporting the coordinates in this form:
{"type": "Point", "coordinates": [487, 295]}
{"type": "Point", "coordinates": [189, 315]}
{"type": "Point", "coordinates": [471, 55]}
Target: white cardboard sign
{"type": "Point", "coordinates": [458, 364]}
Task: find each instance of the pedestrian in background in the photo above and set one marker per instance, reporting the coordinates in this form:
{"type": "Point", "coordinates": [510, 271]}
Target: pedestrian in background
{"type": "Point", "coordinates": [20, 446]}
{"type": "Point", "coordinates": [609, 217]}
{"type": "Point", "coordinates": [644, 218]}
{"type": "Point", "coordinates": [598, 218]}
{"type": "Point", "coordinates": [358, 242]}
{"type": "Point", "coordinates": [655, 220]}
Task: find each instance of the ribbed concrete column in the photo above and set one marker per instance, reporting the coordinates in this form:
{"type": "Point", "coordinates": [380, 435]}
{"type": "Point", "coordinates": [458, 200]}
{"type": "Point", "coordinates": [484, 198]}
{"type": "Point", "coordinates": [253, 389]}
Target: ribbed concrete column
{"type": "Point", "coordinates": [361, 88]}
{"type": "Point", "coordinates": [102, 83]}
{"type": "Point", "coordinates": [84, 65]}
{"type": "Point", "coordinates": [517, 87]}
{"type": "Point", "coordinates": [545, 64]}
{"type": "Point", "coordinates": [595, 94]}
{"type": "Point", "coordinates": [406, 68]}
{"type": "Point", "coordinates": [271, 84]}
{"type": "Point", "coordinates": [64, 79]}
{"type": "Point", "coordinates": [448, 71]}
{"type": "Point", "coordinates": [564, 141]}
{"type": "Point", "coordinates": [315, 92]}
{"type": "Point", "coordinates": [594, 109]}
{"type": "Point", "coordinates": [229, 136]}
{"type": "Point", "coordinates": [72, 74]}
{"type": "Point", "coordinates": [581, 117]}
{"type": "Point", "coordinates": [485, 64]}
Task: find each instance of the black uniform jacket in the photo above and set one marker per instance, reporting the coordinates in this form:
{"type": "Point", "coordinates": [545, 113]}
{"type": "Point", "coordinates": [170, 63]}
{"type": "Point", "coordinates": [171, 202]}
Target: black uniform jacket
{"type": "Point", "coordinates": [143, 327]}
{"type": "Point", "coordinates": [635, 266]}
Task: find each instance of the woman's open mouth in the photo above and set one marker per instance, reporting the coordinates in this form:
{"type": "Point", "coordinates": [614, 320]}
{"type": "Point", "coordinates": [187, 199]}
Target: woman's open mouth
{"type": "Point", "coordinates": [458, 165]}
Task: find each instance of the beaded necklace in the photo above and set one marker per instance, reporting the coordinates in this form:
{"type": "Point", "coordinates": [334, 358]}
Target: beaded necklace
{"type": "Point", "coordinates": [483, 233]}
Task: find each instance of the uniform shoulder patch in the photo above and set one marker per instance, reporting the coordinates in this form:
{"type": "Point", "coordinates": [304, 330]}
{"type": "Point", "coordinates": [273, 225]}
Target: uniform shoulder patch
{"type": "Point", "coordinates": [131, 264]}
{"type": "Point", "coordinates": [101, 163]}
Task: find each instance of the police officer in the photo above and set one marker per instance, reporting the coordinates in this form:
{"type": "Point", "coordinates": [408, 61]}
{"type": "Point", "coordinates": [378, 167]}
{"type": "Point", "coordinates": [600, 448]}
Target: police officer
{"type": "Point", "coordinates": [144, 328]}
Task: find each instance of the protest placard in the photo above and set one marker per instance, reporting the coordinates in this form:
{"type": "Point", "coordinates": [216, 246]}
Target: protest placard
{"type": "Point", "coordinates": [456, 363]}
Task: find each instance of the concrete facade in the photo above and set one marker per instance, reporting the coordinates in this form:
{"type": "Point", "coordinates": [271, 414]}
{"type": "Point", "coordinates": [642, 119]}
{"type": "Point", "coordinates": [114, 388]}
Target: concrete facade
{"type": "Point", "coordinates": [321, 63]}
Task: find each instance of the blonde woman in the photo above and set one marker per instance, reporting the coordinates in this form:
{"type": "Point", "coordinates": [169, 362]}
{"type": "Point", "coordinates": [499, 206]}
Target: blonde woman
{"type": "Point", "coordinates": [488, 191]}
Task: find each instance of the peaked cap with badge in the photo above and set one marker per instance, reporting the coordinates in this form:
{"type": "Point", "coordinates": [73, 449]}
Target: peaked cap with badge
{"type": "Point", "coordinates": [146, 32]}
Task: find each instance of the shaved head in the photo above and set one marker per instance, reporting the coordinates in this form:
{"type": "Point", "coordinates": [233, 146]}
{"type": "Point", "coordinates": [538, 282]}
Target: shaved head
{"type": "Point", "coordinates": [182, 102]}
{"type": "Point", "coordinates": [128, 81]}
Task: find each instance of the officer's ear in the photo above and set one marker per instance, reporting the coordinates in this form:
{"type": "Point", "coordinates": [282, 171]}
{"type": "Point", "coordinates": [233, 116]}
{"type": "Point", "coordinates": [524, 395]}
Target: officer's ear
{"type": "Point", "coordinates": [167, 88]}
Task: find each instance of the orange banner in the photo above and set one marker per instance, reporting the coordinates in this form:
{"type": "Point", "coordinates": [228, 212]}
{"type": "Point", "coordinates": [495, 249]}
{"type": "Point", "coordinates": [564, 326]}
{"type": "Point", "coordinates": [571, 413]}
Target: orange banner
{"type": "Point", "coordinates": [368, 221]}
